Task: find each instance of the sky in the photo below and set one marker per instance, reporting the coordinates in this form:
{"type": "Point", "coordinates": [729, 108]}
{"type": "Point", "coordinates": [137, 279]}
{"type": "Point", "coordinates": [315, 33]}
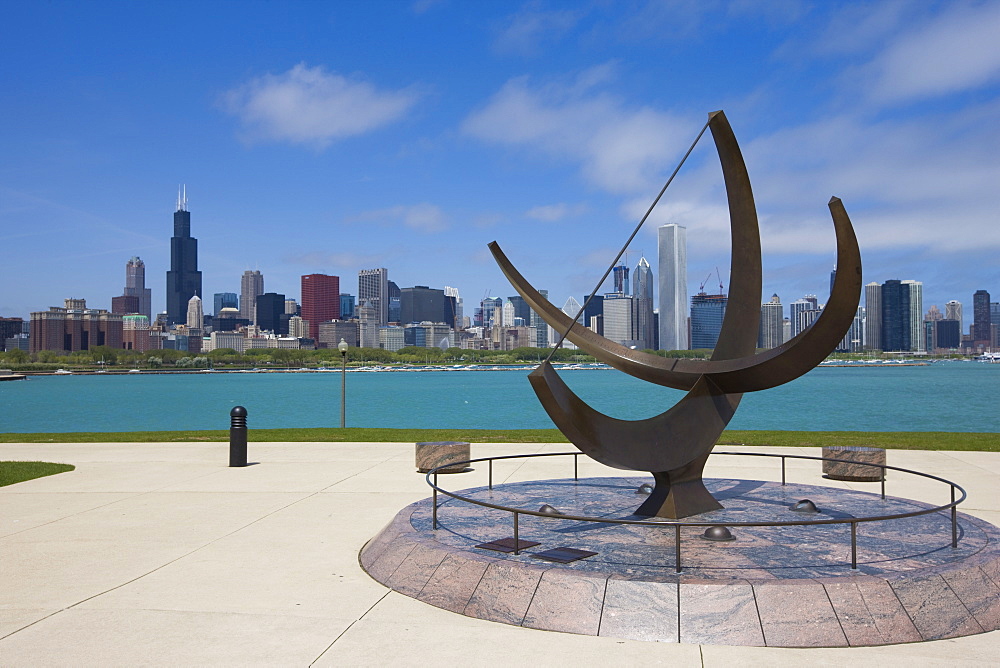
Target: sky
{"type": "Point", "coordinates": [333, 137]}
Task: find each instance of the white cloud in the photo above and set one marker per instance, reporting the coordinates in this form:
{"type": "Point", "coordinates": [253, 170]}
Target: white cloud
{"type": "Point", "coordinates": [314, 107]}
{"type": "Point", "coordinates": [927, 183]}
{"type": "Point", "coordinates": [530, 27]}
{"type": "Point", "coordinates": [424, 217]}
{"type": "Point", "coordinates": [851, 29]}
{"type": "Point", "coordinates": [551, 213]}
{"type": "Point", "coordinates": [619, 149]}
{"type": "Point", "coordinates": [955, 51]}
{"type": "Point", "coordinates": [485, 221]}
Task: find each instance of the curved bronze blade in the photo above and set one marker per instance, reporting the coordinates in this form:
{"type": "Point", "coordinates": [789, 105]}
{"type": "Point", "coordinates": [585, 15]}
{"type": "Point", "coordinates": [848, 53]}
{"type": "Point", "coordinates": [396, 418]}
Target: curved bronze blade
{"type": "Point", "coordinates": [738, 336]}
{"type": "Point", "coordinates": [676, 444]}
{"type": "Point", "coordinates": [749, 373]}
{"type": "Point", "coordinates": [661, 443]}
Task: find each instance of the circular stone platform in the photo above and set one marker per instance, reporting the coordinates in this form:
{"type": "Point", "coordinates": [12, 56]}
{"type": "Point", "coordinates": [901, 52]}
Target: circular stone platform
{"type": "Point", "coordinates": [775, 586]}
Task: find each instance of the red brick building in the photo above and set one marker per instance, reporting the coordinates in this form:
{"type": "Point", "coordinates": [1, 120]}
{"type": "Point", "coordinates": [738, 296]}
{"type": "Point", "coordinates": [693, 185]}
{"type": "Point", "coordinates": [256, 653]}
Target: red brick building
{"type": "Point", "coordinates": [73, 329]}
{"type": "Point", "coordinates": [320, 301]}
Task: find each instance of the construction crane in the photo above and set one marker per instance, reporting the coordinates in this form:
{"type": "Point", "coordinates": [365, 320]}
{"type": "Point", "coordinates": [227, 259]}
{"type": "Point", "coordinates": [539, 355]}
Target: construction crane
{"type": "Point", "coordinates": [701, 286]}
{"type": "Point", "coordinates": [719, 276]}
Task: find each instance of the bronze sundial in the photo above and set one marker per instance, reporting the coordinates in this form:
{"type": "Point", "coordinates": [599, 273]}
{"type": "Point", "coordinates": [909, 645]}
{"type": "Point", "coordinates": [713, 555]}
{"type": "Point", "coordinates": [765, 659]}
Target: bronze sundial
{"type": "Point", "coordinates": [674, 446]}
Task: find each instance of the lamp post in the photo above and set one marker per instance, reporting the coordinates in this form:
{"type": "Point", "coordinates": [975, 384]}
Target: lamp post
{"type": "Point", "coordinates": [342, 347]}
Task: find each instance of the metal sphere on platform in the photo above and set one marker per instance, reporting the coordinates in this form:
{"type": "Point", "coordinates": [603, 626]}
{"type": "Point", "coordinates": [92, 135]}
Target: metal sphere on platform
{"type": "Point", "coordinates": [718, 534]}
{"type": "Point", "coordinates": [805, 506]}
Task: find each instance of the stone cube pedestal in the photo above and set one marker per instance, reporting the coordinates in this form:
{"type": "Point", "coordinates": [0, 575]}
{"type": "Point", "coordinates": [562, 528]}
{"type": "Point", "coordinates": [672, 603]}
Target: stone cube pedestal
{"type": "Point", "coordinates": [432, 454]}
{"type": "Point", "coordinates": [856, 470]}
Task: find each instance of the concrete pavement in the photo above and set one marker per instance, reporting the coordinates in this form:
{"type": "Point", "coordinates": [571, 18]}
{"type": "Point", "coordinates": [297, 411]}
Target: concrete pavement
{"type": "Point", "coordinates": [159, 554]}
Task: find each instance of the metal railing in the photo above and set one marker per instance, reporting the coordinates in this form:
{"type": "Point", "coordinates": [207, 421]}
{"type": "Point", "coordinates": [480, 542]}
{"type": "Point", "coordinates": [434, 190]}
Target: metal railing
{"type": "Point", "coordinates": [678, 525]}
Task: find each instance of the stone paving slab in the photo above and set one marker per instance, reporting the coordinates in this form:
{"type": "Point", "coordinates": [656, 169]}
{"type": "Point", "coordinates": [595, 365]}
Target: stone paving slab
{"type": "Point", "coordinates": [232, 578]}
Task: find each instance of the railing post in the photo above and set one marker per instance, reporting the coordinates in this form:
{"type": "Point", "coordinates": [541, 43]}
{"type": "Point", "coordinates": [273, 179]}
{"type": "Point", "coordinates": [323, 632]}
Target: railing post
{"type": "Point", "coordinates": [517, 543]}
{"type": "Point", "coordinates": [782, 470]}
{"type": "Point", "coordinates": [491, 473]}
{"type": "Point", "coordinates": [954, 519]}
{"type": "Point", "coordinates": [883, 484]}
{"type": "Point", "coordinates": [434, 512]}
{"type": "Point", "coordinates": [854, 545]}
{"type": "Point", "coordinates": [576, 459]}
{"type": "Point", "coordinates": [677, 548]}
{"type": "Point", "coordinates": [238, 436]}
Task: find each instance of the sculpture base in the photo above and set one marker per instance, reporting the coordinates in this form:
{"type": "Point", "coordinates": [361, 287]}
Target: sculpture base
{"type": "Point", "coordinates": [790, 586]}
{"type": "Point", "coordinates": [679, 493]}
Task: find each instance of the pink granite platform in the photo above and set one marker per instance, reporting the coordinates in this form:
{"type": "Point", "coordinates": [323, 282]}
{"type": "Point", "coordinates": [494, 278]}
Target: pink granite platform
{"type": "Point", "coordinates": [774, 586]}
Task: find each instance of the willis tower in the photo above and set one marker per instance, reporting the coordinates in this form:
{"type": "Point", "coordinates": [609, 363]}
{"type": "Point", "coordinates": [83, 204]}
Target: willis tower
{"type": "Point", "coordinates": [183, 279]}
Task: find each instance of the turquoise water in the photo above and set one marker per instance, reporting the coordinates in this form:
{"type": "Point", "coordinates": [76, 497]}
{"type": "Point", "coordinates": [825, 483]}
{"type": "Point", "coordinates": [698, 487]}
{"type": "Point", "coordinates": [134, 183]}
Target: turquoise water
{"type": "Point", "coordinates": [946, 396]}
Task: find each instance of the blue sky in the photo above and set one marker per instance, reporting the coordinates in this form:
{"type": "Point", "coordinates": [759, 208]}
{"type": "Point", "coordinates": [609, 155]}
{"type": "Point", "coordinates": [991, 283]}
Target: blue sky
{"type": "Point", "coordinates": [332, 137]}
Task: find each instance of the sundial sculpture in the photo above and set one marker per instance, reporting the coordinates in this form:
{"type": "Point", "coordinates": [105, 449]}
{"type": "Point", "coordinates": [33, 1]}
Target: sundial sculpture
{"type": "Point", "coordinates": [674, 446]}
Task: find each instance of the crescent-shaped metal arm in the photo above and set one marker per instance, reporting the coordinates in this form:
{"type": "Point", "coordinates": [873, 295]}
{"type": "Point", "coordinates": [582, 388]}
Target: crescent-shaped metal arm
{"type": "Point", "coordinates": [675, 445]}
{"type": "Point", "coordinates": [663, 442]}
{"type": "Point", "coordinates": [750, 373]}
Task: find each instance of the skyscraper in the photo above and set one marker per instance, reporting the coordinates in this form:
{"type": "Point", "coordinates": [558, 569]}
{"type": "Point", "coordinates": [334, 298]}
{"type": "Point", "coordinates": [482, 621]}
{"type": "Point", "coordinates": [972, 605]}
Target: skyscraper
{"type": "Point", "coordinates": [594, 309]}
{"type": "Point", "coordinates": [183, 279]}
{"type": "Point", "coordinates": [947, 334]}
{"type": "Point", "coordinates": [873, 316]}
{"type": "Point", "coordinates": [422, 304]}
{"type": "Point", "coordinates": [771, 330]}
{"type": "Point", "coordinates": [896, 316]}
{"type": "Point", "coordinates": [492, 310]}
{"type": "Point", "coordinates": [135, 286]}
{"type": "Point", "coordinates": [223, 300]}
{"type": "Point", "coordinates": [125, 304]}
{"type": "Point", "coordinates": [621, 279]}
{"type": "Point", "coordinates": [642, 291]}
{"type": "Point", "coordinates": [918, 341]}
{"type": "Point", "coordinates": [953, 311]}
{"type": "Point", "coordinates": [672, 250]}
{"type": "Point", "coordinates": [251, 287]}
{"type": "Point", "coordinates": [195, 313]}
{"type": "Point", "coordinates": [520, 309]}
{"type": "Point", "coordinates": [802, 313]}
{"type": "Point", "coordinates": [620, 319]}
{"type": "Point", "coordinates": [320, 301]}
{"type": "Point", "coordinates": [395, 307]}
{"type": "Point", "coordinates": [981, 316]}
{"type": "Point", "coordinates": [571, 308]}
{"type": "Point", "coordinates": [457, 305]}
{"type": "Point", "coordinates": [270, 309]}
{"type": "Point", "coordinates": [707, 314]}
{"type": "Point", "coordinates": [346, 306]}
{"type": "Point", "coordinates": [541, 330]}
{"type": "Point", "coordinates": [373, 289]}
{"type": "Point", "coordinates": [852, 341]}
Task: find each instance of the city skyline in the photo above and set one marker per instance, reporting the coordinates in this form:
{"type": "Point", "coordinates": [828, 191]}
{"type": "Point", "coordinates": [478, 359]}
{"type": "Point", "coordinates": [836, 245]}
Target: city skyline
{"type": "Point", "coordinates": [546, 126]}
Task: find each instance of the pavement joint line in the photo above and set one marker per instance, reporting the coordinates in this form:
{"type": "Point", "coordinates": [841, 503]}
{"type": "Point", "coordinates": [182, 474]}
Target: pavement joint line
{"type": "Point", "coordinates": [353, 475]}
{"type": "Point", "coordinates": [523, 463]}
{"type": "Point", "coordinates": [349, 626]}
{"type": "Point", "coordinates": [131, 495]}
{"type": "Point", "coordinates": [51, 614]}
{"type": "Point", "coordinates": [188, 554]}
{"type": "Point", "coordinates": [840, 623]}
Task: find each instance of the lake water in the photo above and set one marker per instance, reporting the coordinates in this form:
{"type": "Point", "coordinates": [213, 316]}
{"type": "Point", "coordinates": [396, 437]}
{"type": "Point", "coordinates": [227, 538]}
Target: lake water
{"type": "Point", "coordinates": [945, 396]}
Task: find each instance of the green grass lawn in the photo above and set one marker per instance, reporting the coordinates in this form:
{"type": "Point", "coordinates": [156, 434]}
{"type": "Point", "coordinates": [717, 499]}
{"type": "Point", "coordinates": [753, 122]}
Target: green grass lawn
{"type": "Point", "coordinates": [903, 440]}
{"type": "Point", "coordinates": [14, 472]}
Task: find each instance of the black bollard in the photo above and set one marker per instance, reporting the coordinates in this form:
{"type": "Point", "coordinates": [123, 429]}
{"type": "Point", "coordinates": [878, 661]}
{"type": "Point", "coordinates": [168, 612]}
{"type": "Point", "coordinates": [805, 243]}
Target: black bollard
{"type": "Point", "coordinates": [238, 436]}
